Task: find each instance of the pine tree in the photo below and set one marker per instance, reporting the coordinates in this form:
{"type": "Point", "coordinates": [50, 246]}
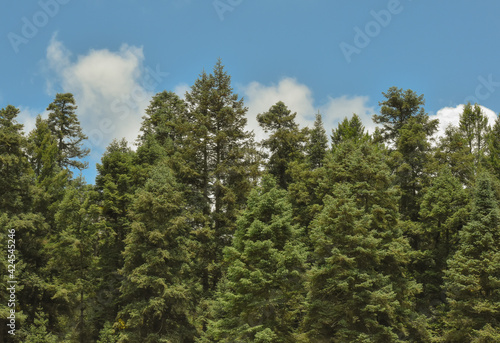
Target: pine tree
{"type": "Point", "coordinates": [72, 263]}
{"type": "Point", "coordinates": [285, 143]}
{"type": "Point", "coordinates": [15, 173]}
{"type": "Point", "coordinates": [359, 286]}
{"type": "Point", "coordinates": [396, 110]}
{"type": "Point", "coordinates": [410, 161]}
{"type": "Point", "coordinates": [218, 153]}
{"type": "Point", "coordinates": [304, 176]}
{"type": "Point", "coordinates": [452, 152]}
{"type": "Point", "coordinates": [261, 296]}
{"type": "Point", "coordinates": [43, 150]}
{"type": "Point", "coordinates": [37, 332]}
{"type": "Point", "coordinates": [317, 144]}
{"type": "Point", "coordinates": [164, 118]}
{"type": "Point", "coordinates": [65, 127]}
{"type": "Point", "coordinates": [474, 127]}
{"type": "Point", "coordinates": [349, 129]}
{"type": "Point", "coordinates": [493, 159]}
{"type": "Point", "coordinates": [116, 185]}
{"type": "Point", "coordinates": [159, 286]}
{"type": "Point", "coordinates": [473, 275]}
{"type": "Point", "coordinates": [443, 212]}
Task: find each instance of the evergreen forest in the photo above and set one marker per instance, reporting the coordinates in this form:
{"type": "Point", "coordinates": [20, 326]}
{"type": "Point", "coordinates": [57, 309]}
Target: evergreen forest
{"type": "Point", "coordinates": [196, 232]}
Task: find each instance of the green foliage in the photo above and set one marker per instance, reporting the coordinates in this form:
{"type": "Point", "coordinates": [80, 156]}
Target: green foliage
{"type": "Point", "coordinates": [107, 334]}
{"type": "Point", "coordinates": [377, 239]}
{"type": "Point", "coordinates": [116, 184]}
{"type": "Point", "coordinates": [473, 276]}
{"type": "Point", "coordinates": [65, 126]}
{"type": "Point", "coordinates": [72, 262]}
{"type": "Point", "coordinates": [493, 158]}
{"type": "Point", "coordinates": [474, 128]}
{"type": "Point", "coordinates": [158, 289]}
{"type": "Point", "coordinates": [14, 168]}
{"type": "Point", "coordinates": [37, 332]}
{"type": "Point", "coordinates": [444, 211]}
{"type": "Point", "coordinates": [359, 289]}
{"type": "Point", "coordinates": [285, 143]}
{"type": "Point", "coordinates": [349, 129]}
{"type": "Point", "coordinates": [261, 296]}
{"type": "Point", "coordinates": [410, 160]}
{"type": "Point", "coordinates": [396, 110]}
{"type": "Point", "coordinates": [218, 153]}
{"type": "Point", "coordinates": [317, 144]}
{"type": "Point", "coordinates": [452, 152]}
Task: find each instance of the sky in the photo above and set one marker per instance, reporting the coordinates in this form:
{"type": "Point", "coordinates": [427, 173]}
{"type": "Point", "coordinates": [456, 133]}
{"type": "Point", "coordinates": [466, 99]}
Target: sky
{"type": "Point", "coordinates": [335, 57]}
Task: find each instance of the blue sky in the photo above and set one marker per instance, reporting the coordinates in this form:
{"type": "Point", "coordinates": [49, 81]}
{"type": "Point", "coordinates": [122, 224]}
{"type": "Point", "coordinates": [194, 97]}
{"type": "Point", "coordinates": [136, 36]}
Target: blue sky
{"type": "Point", "coordinates": [333, 56]}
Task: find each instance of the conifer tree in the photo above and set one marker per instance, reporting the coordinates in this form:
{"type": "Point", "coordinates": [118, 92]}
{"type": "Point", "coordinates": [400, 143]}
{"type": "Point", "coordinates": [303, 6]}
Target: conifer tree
{"type": "Point", "coordinates": [444, 211]}
{"type": "Point", "coordinates": [493, 159]}
{"type": "Point", "coordinates": [473, 276]}
{"type": "Point", "coordinates": [218, 152]}
{"type": "Point", "coordinates": [452, 152]}
{"type": "Point", "coordinates": [304, 176]}
{"type": "Point", "coordinates": [72, 263]}
{"type": "Point", "coordinates": [359, 287]}
{"type": "Point", "coordinates": [349, 129]}
{"type": "Point", "coordinates": [159, 286]}
{"type": "Point", "coordinates": [43, 150]}
{"type": "Point", "coordinates": [396, 110]}
{"type": "Point", "coordinates": [116, 185]}
{"type": "Point", "coordinates": [260, 298]}
{"type": "Point", "coordinates": [474, 127]}
{"type": "Point", "coordinates": [317, 144]}
{"type": "Point", "coordinates": [410, 161]}
{"type": "Point", "coordinates": [164, 118]}
{"type": "Point", "coordinates": [14, 168]}
{"type": "Point", "coordinates": [65, 127]}
{"type": "Point", "coordinates": [285, 143]}
{"type": "Point", "coordinates": [37, 331]}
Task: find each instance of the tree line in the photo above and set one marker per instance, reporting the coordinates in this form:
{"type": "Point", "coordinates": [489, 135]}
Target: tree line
{"type": "Point", "coordinates": [202, 234]}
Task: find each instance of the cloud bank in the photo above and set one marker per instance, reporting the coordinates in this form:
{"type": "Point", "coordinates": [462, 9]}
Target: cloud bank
{"type": "Point", "coordinates": [298, 97]}
{"type": "Point", "coordinates": [111, 89]}
{"type": "Point", "coordinates": [451, 116]}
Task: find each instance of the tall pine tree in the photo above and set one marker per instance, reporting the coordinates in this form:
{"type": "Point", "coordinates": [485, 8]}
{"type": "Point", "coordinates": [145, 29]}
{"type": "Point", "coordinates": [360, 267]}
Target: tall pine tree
{"type": "Point", "coordinates": [159, 285]}
{"type": "Point", "coordinates": [260, 299]}
{"type": "Point", "coordinates": [65, 127]}
{"type": "Point", "coordinates": [359, 288]}
{"type": "Point", "coordinates": [473, 275]}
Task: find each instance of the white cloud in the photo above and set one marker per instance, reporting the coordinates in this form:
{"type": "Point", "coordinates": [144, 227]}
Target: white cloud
{"type": "Point", "coordinates": [336, 109]}
{"type": "Point", "coordinates": [298, 97]}
{"type": "Point", "coordinates": [451, 116]}
{"type": "Point", "coordinates": [111, 89]}
{"type": "Point", "coordinates": [27, 116]}
{"type": "Point", "coordinates": [259, 98]}
{"type": "Point", "coordinates": [181, 90]}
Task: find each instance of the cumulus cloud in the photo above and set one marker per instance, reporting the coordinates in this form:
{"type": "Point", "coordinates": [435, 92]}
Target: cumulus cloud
{"type": "Point", "coordinates": [259, 98]}
{"type": "Point", "coordinates": [111, 89]}
{"type": "Point", "coordinates": [27, 116]}
{"type": "Point", "coordinates": [181, 90]}
{"type": "Point", "coordinates": [336, 109]}
{"type": "Point", "coordinates": [299, 98]}
{"type": "Point", "coordinates": [451, 116]}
